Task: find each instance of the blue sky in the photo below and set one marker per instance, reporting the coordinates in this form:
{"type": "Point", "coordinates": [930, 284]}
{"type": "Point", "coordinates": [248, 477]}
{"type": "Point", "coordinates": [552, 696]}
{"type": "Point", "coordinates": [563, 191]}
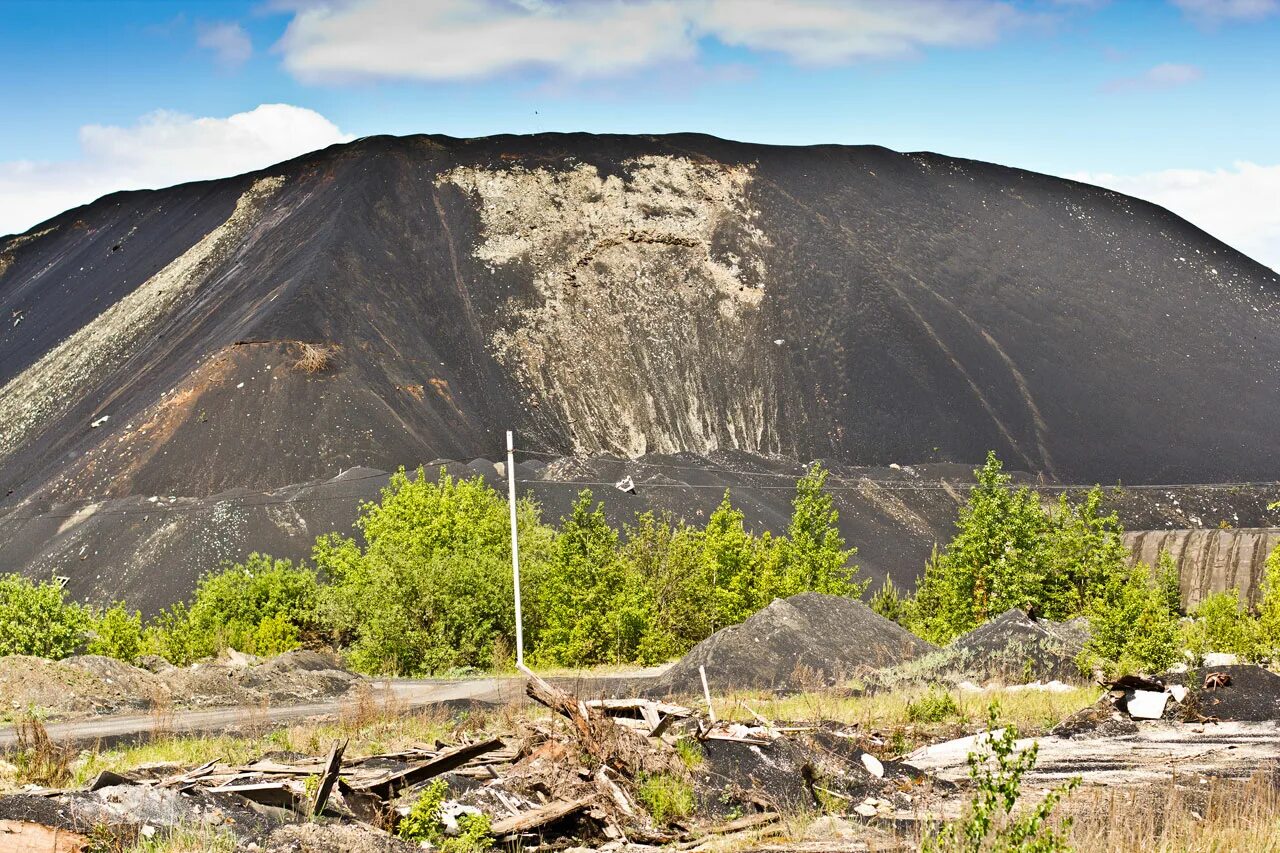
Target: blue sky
{"type": "Point", "coordinates": [1175, 100]}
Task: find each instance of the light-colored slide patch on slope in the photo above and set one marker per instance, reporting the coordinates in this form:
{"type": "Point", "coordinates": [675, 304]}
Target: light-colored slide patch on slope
{"type": "Point", "coordinates": [49, 387]}
{"type": "Point", "coordinates": [647, 335]}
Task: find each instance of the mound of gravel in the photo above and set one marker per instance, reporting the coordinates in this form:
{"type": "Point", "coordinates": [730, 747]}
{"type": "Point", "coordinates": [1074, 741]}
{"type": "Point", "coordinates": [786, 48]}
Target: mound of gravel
{"type": "Point", "coordinates": [1013, 648]}
{"type": "Point", "coordinates": [90, 684]}
{"type": "Point", "coordinates": [832, 637]}
{"type": "Point", "coordinates": [1253, 694]}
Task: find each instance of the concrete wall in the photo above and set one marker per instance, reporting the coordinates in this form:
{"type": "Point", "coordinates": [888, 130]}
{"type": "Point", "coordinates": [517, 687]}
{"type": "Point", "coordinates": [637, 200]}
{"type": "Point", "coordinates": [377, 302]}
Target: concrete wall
{"type": "Point", "coordinates": [1211, 560]}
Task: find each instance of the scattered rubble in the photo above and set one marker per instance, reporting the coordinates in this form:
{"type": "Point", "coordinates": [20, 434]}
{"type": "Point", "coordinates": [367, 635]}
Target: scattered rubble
{"type": "Point", "coordinates": [831, 637]}
{"type": "Point", "coordinates": [582, 775]}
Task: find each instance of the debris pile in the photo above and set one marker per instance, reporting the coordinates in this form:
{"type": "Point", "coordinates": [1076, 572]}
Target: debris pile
{"type": "Point", "coordinates": [829, 637]}
{"type": "Point", "coordinates": [1241, 693]}
{"type": "Point", "coordinates": [600, 772]}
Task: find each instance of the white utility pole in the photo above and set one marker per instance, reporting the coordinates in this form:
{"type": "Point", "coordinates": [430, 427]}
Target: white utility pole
{"type": "Point", "coordinates": [515, 548]}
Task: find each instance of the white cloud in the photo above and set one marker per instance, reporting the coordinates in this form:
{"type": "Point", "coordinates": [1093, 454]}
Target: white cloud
{"type": "Point", "coordinates": [227, 40]}
{"type": "Point", "coordinates": [1166, 75]}
{"type": "Point", "coordinates": [331, 40]}
{"type": "Point", "coordinates": [163, 148]}
{"type": "Point", "coordinates": [1236, 205]}
{"type": "Point", "coordinates": [835, 31]}
{"type": "Point", "coordinates": [1216, 11]}
{"type": "Point", "coordinates": [457, 39]}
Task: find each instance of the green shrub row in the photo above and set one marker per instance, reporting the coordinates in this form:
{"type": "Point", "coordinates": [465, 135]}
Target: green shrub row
{"type": "Point", "coordinates": [425, 586]}
{"type": "Point", "coordinates": [1068, 559]}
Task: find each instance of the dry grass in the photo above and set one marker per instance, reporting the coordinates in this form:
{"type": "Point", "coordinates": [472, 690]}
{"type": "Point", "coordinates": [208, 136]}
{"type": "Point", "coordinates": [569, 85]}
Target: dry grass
{"type": "Point", "coordinates": [371, 726]}
{"type": "Point", "coordinates": [1186, 815]}
{"type": "Point", "coordinates": [38, 760]}
{"type": "Point", "coordinates": [889, 713]}
{"type": "Point", "coordinates": [315, 358]}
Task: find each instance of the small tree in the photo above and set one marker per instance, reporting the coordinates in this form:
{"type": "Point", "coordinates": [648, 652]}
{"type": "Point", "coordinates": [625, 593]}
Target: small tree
{"type": "Point", "coordinates": [888, 601]}
{"type": "Point", "coordinates": [996, 560]}
{"type": "Point", "coordinates": [116, 633]}
{"type": "Point", "coordinates": [996, 768]}
{"type": "Point", "coordinates": [1132, 627]}
{"type": "Point", "coordinates": [36, 619]}
{"type": "Point", "coordinates": [814, 557]}
{"type": "Point", "coordinates": [1222, 624]}
{"type": "Point", "coordinates": [592, 605]}
{"type": "Point", "coordinates": [666, 558]}
{"type": "Point", "coordinates": [1269, 607]}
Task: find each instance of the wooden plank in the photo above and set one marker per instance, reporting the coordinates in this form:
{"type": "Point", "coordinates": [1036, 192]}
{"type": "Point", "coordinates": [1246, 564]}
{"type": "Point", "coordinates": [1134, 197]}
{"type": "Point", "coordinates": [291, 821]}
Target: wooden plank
{"type": "Point", "coordinates": [388, 786]}
{"type": "Point", "coordinates": [539, 817]}
{"type": "Point", "coordinates": [749, 822]}
{"type": "Point", "coordinates": [107, 779]}
{"type": "Point", "coordinates": [201, 771]}
{"type": "Point", "coordinates": [332, 766]}
{"type": "Point", "coordinates": [263, 793]}
{"type": "Point", "coordinates": [23, 836]}
{"type": "Point", "coordinates": [639, 704]}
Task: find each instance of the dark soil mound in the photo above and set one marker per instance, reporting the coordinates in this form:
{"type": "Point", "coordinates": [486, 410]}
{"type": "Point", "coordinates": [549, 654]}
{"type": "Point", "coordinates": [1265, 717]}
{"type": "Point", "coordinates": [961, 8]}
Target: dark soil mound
{"type": "Point", "coordinates": [1013, 648]}
{"type": "Point", "coordinates": [399, 300]}
{"type": "Point", "coordinates": [831, 637]}
{"type": "Point", "coordinates": [1253, 694]}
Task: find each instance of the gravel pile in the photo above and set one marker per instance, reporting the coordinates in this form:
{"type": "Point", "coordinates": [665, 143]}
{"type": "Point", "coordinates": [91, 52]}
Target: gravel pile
{"type": "Point", "coordinates": [89, 684]}
{"type": "Point", "coordinates": [794, 644]}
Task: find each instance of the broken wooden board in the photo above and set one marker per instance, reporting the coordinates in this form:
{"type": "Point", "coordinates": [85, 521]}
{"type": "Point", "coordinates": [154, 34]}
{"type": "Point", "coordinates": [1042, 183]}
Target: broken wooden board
{"type": "Point", "coordinates": [21, 836]}
{"type": "Point", "coordinates": [330, 776]}
{"type": "Point", "coordinates": [539, 817]}
{"type": "Point", "coordinates": [264, 793]}
{"type": "Point", "coordinates": [387, 786]}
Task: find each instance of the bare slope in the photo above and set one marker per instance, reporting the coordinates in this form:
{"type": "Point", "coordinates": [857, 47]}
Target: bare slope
{"type": "Point", "coordinates": [626, 296]}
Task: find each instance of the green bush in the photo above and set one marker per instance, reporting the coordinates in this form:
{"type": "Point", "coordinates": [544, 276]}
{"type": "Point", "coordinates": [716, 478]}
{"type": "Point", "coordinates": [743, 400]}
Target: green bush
{"type": "Point", "coordinates": [423, 823]}
{"type": "Point", "coordinates": [1223, 625]}
{"type": "Point", "coordinates": [230, 605]}
{"type": "Point", "coordinates": [665, 797]}
{"type": "Point", "coordinates": [1010, 551]}
{"type": "Point", "coordinates": [936, 706]}
{"type": "Point", "coordinates": [169, 635]}
{"type": "Point", "coordinates": [1132, 627]}
{"type": "Point", "coordinates": [37, 619]}
{"type": "Point", "coordinates": [430, 591]}
{"type": "Point", "coordinates": [1269, 607]}
{"type": "Point", "coordinates": [261, 606]}
{"type": "Point", "coordinates": [116, 633]}
{"type": "Point", "coordinates": [996, 769]}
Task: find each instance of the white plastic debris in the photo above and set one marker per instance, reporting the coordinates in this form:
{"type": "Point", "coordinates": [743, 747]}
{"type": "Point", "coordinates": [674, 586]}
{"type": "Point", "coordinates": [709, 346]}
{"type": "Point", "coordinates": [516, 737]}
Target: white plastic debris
{"type": "Point", "coordinates": [1147, 704]}
{"type": "Point", "coordinates": [873, 765]}
{"type": "Point", "coordinates": [99, 422]}
{"type": "Point", "coordinates": [1177, 691]}
{"type": "Point", "coordinates": [626, 484]}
